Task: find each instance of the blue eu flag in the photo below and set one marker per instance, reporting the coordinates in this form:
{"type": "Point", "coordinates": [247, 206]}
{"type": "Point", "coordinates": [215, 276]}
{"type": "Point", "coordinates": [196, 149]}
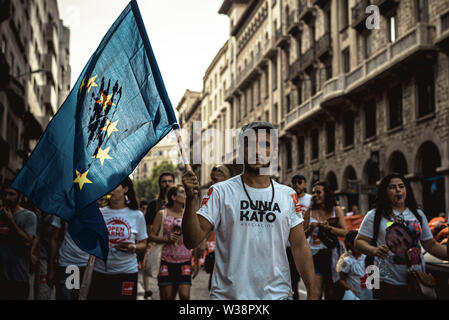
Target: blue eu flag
{"type": "Point", "coordinates": [116, 112]}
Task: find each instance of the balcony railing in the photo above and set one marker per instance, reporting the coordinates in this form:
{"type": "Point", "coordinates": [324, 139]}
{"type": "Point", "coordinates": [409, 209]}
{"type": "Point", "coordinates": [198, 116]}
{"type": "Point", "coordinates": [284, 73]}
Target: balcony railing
{"type": "Point", "coordinates": [323, 45]}
{"type": "Point", "coordinates": [306, 9]}
{"type": "Point", "coordinates": [50, 98]}
{"type": "Point", "coordinates": [418, 38]}
{"type": "Point", "coordinates": [51, 37]}
{"type": "Point", "coordinates": [307, 58]}
{"type": "Point", "coordinates": [302, 111]}
{"type": "Point", "coordinates": [51, 67]}
{"type": "Point", "coordinates": [293, 22]}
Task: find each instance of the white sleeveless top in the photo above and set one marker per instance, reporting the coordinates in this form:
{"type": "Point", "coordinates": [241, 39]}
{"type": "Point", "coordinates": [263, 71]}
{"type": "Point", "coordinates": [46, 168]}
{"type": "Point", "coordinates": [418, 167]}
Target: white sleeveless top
{"type": "Point", "coordinates": [315, 242]}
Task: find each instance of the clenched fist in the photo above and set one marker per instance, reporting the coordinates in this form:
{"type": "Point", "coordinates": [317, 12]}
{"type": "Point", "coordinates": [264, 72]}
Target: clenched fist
{"type": "Point", "coordinates": [191, 184]}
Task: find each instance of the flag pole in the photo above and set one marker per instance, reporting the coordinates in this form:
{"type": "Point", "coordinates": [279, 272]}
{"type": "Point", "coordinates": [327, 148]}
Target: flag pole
{"type": "Point", "coordinates": [87, 278]}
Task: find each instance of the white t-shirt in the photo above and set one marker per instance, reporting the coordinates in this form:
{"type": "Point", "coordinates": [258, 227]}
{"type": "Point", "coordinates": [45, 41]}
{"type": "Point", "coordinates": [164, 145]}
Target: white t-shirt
{"type": "Point", "coordinates": [124, 225]}
{"type": "Point", "coordinates": [69, 253]}
{"type": "Point", "coordinates": [304, 203]}
{"type": "Point", "coordinates": [250, 257]}
{"type": "Point", "coordinates": [356, 275]}
{"type": "Point", "coordinates": [393, 270]}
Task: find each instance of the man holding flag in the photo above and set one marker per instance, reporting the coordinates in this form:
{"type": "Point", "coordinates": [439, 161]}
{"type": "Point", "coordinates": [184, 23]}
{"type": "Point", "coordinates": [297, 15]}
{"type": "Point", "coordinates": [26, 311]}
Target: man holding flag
{"type": "Point", "coordinates": [116, 112]}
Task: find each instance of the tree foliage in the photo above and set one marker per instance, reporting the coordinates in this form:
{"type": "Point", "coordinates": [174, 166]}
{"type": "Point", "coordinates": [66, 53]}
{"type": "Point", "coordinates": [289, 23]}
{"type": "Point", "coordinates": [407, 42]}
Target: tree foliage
{"type": "Point", "coordinates": [148, 188]}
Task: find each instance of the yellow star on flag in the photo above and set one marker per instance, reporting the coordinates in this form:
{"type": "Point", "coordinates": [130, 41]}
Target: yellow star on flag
{"type": "Point", "coordinates": [81, 178]}
{"type": "Point", "coordinates": [105, 100]}
{"type": "Point", "coordinates": [110, 127]}
{"type": "Point", "coordinates": [102, 155]}
{"type": "Point", "coordinates": [91, 83]}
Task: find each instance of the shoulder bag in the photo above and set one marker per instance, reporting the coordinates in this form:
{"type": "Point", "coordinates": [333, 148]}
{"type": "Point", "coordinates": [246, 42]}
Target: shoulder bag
{"type": "Point", "coordinates": [152, 260]}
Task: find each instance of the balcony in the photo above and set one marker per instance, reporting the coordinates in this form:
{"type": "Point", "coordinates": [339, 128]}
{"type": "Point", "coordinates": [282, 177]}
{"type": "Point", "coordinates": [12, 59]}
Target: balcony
{"type": "Point", "coordinates": [51, 68]}
{"type": "Point", "coordinates": [320, 3]}
{"type": "Point", "coordinates": [33, 128]}
{"type": "Point", "coordinates": [293, 25]}
{"type": "Point", "coordinates": [307, 58]}
{"type": "Point", "coordinates": [280, 40]}
{"type": "Point", "coordinates": [406, 50]}
{"type": "Point", "coordinates": [51, 36]}
{"type": "Point", "coordinates": [15, 93]}
{"type": "Point", "coordinates": [17, 35]}
{"type": "Point", "coordinates": [294, 70]}
{"type": "Point", "coordinates": [442, 32]}
{"type": "Point", "coordinates": [385, 5]}
{"type": "Point", "coordinates": [50, 98]}
{"type": "Point", "coordinates": [358, 14]}
{"type": "Point", "coordinates": [323, 45]}
{"type": "Point", "coordinates": [5, 10]}
{"type": "Point", "coordinates": [303, 111]}
{"type": "Point", "coordinates": [306, 10]}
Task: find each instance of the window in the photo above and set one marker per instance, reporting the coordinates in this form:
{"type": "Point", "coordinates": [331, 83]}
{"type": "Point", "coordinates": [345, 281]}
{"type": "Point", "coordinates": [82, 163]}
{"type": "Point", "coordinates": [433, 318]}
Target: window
{"type": "Point", "coordinates": [328, 68]}
{"type": "Point", "coordinates": [288, 150]}
{"type": "Point", "coordinates": [267, 116]}
{"type": "Point", "coordinates": [330, 135]}
{"type": "Point", "coordinates": [251, 98]}
{"type": "Point", "coordinates": [367, 47]}
{"type": "Point", "coordinates": [12, 133]}
{"type": "Point", "coordinates": [370, 119]}
{"type": "Point", "coordinates": [348, 121]}
{"type": "Point", "coordinates": [287, 104]}
{"type": "Point", "coordinates": [259, 91]}
{"type": "Point", "coordinates": [3, 48]}
{"type": "Point", "coordinates": [346, 61]}
{"type": "Point", "coordinates": [421, 10]}
{"type": "Point", "coordinates": [426, 92]}
{"type": "Point", "coordinates": [395, 106]}
{"type": "Point", "coordinates": [313, 82]}
{"type": "Point", "coordinates": [315, 144]}
{"type": "Point", "coordinates": [275, 75]}
{"type": "Point", "coordinates": [299, 92]}
{"type": "Point", "coordinates": [392, 29]}
{"type": "Point", "coordinates": [344, 14]}
{"type": "Point", "coordinates": [267, 82]}
{"type": "Point", "coordinates": [275, 113]}
{"type": "Point", "coordinates": [245, 103]}
{"type": "Point", "coordinates": [301, 149]}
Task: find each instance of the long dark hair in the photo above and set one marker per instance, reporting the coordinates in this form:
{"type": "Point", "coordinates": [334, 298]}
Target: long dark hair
{"type": "Point", "coordinates": [383, 204]}
{"type": "Point", "coordinates": [328, 196]}
{"type": "Point", "coordinates": [385, 209]}
{"type": "Point", "coordinates": [131, 194]}
{"type": "Point", "coordinates": [172, 192]}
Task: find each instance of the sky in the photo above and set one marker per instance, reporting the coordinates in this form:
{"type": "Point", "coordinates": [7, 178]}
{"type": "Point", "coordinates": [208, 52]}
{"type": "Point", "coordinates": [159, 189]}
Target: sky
{"type": "Point", "coordinates": [185, 36]}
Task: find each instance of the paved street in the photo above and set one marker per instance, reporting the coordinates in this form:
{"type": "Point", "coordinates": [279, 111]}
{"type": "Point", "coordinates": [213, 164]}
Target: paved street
{"type": "Point", "coordinates": [198, 292]}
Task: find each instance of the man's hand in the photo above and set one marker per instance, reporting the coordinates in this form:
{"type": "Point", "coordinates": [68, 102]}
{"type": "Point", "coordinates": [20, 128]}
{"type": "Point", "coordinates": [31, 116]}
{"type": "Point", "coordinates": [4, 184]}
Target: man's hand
{"type": "Point", "coordinates": [126, 247]}
{"type": "Point", "coordinates": [191, 184]}
{"type": "Point", "coordinates": [325, 225]}
{"type": "Point", "coordinates": [381, 251]}
{"type": "Point", "coordinates": [8, 213]}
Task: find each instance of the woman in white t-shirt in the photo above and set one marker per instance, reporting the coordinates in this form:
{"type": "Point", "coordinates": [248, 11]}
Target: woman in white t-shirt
{"type": "Point", "coordinates": [127, 236]}
{"type": "Point", "coordinates": [396, 204]}
{"type": "Point", "coordinates": [324, 217]}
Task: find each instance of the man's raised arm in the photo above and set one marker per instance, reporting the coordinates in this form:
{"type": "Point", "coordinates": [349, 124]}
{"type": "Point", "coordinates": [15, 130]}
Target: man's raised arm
{"type": "Point", "coordinates": [194, 228]}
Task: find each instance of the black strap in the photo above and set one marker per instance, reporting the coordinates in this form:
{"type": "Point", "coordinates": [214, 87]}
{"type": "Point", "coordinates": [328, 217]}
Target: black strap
{"type": "Point", "coordinates": [252, 206]}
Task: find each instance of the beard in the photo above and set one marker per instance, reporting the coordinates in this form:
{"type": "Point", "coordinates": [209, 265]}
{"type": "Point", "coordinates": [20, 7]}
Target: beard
{"type": "Point", "coordinates": [256, 171]}
{"type": "Point", "coordinates": [10, 204]}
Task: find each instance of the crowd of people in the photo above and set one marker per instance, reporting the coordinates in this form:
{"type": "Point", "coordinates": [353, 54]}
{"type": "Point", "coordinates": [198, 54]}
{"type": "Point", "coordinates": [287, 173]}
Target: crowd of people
{"type": "Point", "coordinates": [259, 239]}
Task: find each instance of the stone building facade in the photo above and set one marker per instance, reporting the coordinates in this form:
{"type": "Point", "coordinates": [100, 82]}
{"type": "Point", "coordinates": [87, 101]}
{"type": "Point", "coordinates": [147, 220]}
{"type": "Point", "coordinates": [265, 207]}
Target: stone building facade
{"type": "Point", "coordinates": [352, 103]}
{"type": "Point", "coordinates": [35, 76]}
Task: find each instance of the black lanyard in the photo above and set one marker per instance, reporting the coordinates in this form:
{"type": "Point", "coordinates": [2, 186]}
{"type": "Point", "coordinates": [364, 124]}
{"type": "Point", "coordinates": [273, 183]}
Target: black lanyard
{"type": "Point", "coordinates": [252, 206]}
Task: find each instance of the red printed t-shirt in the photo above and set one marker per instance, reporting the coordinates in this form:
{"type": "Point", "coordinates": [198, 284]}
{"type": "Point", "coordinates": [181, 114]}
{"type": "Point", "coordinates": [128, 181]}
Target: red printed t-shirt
{"type": "Point", "coordinates": [124, 225]}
